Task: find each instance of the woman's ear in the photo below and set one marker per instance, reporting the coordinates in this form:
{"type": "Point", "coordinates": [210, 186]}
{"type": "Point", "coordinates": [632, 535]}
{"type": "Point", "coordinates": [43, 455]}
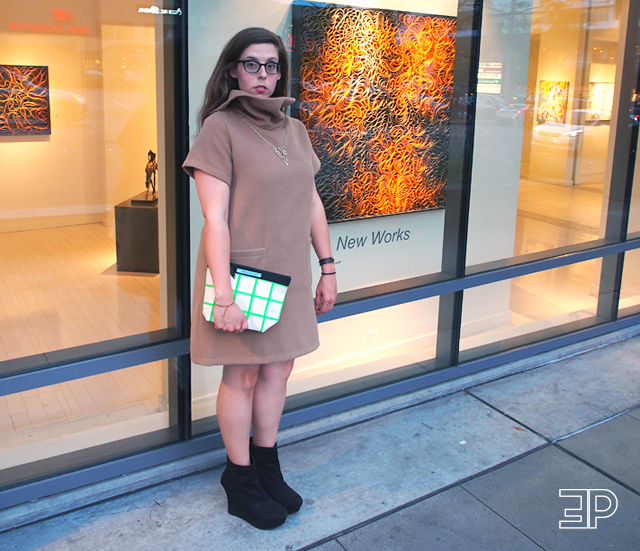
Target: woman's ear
{"type": "Point", "coordinates": [233, 73]}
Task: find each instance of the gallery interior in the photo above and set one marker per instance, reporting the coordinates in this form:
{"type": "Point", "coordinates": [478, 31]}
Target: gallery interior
{"type": "Point", "coordinates": [78, 268]}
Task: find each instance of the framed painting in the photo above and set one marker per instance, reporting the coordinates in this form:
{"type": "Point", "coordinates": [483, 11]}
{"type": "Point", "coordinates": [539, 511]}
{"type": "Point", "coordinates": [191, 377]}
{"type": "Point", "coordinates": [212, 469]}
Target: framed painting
{"type": "Point", "coordinates": [553, 100]}
{"type": "Point", "coordinates": [375, 90]}
{"type": "Point", "coordinates": [24, 100]}
{"type": "Point", "coordinates": [600, 101]}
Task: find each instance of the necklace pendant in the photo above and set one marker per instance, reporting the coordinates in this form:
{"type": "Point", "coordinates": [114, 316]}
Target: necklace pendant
{"type": "Point", "coordinates": [281, 152]}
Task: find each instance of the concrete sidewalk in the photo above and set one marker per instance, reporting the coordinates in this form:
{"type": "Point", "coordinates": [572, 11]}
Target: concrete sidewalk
{"type": "Point", "coordinates": [478, 469]}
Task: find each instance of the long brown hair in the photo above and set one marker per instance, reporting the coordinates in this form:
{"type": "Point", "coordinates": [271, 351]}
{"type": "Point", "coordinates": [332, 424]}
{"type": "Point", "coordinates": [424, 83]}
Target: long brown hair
{"type": "Point", "coordinates": [221, 82]}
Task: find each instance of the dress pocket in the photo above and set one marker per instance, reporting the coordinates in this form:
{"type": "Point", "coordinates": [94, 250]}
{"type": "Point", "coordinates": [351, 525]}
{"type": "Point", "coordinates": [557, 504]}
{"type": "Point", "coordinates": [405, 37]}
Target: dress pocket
{"type": "Point", "coordinates": [244, 253]}
{"type": "Point", "coordinates": [255, 258]}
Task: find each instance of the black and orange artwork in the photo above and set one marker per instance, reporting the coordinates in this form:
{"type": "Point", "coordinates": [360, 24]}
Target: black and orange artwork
{"type": "Point", "coordinates": [24, 100]}
{"type": "Point", "coordinates": [375, 89]}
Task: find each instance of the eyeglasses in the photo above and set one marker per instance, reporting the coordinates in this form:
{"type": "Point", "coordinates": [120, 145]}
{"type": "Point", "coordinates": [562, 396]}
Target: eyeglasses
{"type": "Point", "coordinates": [253, 66]}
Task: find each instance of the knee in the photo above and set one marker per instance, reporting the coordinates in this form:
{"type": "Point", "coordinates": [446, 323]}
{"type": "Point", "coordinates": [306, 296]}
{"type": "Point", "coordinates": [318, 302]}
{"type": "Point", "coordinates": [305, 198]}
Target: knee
{"type": "Point", "coordinates": [249, 379]}
{"type": "Point", "coordinates": [243, 379]}
{"type": "Point", "coordinates": [276, 373]}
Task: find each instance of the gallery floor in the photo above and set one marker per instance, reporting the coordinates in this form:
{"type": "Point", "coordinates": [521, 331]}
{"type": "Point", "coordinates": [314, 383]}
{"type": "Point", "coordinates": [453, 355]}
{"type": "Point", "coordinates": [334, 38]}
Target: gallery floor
{"type": "Point", "coordinates": [550, 216]}
{"type": "Point", "coordinates": [59, 288]}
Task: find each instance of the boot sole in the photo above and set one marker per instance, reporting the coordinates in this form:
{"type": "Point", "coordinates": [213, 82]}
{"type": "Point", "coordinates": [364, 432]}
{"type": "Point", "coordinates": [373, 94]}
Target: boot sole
{"type": "Point", "coordinates": [256, 523]}
{"type": "Point", "coordinates": [240, 512]}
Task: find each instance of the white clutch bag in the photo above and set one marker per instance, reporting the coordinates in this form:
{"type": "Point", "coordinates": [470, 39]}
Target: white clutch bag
{"type": "Point", "coordinates": [258, 293]}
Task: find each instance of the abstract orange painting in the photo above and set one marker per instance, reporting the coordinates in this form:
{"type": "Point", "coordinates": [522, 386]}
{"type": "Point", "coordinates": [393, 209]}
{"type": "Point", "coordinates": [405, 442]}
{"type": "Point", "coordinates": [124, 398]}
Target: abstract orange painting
{"type": "Point", "coordinates": [24, 100]}
{"type": "Point", "coordinates": [375, 90]}
{"type": "Point", "coordinates": [552, 104]}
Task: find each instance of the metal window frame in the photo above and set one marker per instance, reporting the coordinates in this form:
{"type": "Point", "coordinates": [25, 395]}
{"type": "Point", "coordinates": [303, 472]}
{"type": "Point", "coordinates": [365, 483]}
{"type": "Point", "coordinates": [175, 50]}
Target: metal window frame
{"type": "Point", "coordinates": [450, 284]}
{"type": "Point", "coordinates": [456, 219]}
{"type": "Point", "coordinates": [623, 168]}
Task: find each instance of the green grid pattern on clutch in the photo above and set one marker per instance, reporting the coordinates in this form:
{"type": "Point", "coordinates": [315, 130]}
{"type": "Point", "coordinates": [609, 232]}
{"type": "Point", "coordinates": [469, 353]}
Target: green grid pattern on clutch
{"type": "Point", "coordinates": [259, 299]}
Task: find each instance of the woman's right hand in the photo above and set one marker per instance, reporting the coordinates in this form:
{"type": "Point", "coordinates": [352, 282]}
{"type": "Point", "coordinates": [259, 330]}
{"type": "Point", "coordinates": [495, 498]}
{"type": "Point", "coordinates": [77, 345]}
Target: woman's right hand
{"type": "Point", "coordinates": [230, 319]}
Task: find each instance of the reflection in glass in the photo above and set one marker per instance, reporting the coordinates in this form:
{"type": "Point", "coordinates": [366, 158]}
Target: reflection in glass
{"type": "Point", "coordinates": [630, 291]}
{"type": "Point", "coordinates": [543, 135]}
{"type": "Point", "coordinates": [79, 414]}
{"type": "Point", "coordinates": [79, 263]}
{"type": "Point", "coordinates": [530, 304]}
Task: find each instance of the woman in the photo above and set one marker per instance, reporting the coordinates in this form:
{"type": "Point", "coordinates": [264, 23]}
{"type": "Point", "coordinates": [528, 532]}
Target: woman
{"type": "Point", "coordinates": [254, 170]}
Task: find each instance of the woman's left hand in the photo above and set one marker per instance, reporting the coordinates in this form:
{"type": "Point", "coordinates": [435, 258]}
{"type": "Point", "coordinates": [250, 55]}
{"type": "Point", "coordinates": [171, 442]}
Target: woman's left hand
{"type": "Point", "coordinates": [326, 294]}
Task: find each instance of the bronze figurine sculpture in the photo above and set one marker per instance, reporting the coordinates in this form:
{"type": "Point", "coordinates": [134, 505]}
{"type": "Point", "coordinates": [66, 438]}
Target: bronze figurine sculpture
{"type": "Point", "coordinates": [152, 167]}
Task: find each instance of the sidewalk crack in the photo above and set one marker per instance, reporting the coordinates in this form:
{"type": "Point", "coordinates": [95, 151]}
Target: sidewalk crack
{"type": "Point", "coordinates": [420, 499]}
{"type": "Point", "coordinates": [500, 516]}
{"type": "Point", "coordinates": [520, 423]}
{"type": "Point", "coordinates": [597, 469]}
{"type": "Point", "coordinates": [583, 429]}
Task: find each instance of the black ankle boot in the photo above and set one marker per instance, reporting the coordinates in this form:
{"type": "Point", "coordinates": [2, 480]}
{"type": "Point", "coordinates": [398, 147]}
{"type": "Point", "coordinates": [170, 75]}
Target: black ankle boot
{"type": "Point", "coordinates": [247, 498]}
{"type": "Point", "coordinates": [269, 473]}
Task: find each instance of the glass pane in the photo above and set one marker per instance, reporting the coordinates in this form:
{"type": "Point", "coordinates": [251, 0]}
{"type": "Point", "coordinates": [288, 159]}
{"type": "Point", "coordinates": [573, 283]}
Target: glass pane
{"type": "Point", "coordinates": [529, 308]}
{"type": "Point", "coordinates": [366, 346]}
{"type": "Point", "coordinates": [549, 73]}
{"type": "Point", "coordinates": [68, 417]}
{"type": "Point", "coordinates": [82, 219]}
{"type": "Point", "coordinates": [630, 292]}
{"type": "Point", "coordinates": [379, 232]}
{"type": "Point", "coordinates": [368, 155]}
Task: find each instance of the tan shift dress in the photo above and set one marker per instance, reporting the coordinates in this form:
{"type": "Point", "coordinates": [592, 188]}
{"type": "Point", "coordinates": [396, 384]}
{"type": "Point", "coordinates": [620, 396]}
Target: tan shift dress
{"type": "Point", "coordinates": [269, 224]}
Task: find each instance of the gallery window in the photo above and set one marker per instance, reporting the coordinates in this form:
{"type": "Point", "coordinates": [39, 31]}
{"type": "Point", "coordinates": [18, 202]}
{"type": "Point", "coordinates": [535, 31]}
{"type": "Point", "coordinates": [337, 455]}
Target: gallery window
{"type": "Point", "coordinates": [550, 75]}
{"type": "Point", "coordinates": [397, 103]}
{"type": "Point", "coordinates": [83, 229]}
{"type": "Point", "coordinates": [478, 171]}
{"type": "Point", "coordinates": [91, 233]}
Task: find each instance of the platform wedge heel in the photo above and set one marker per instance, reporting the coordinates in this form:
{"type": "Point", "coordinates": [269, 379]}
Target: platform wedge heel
{"type": "Point", "coordinates": [248, 500]}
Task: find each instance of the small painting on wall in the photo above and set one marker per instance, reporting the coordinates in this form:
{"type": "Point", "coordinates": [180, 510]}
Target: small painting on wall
{"type": "Point", "coordinates": [552, 105]}
{"type": "Point", "coordinates": [24, 100]}
{"type": "Point", "coordinates": [600, 102]}
{"type": "Point", "coordinates": [375, 89]}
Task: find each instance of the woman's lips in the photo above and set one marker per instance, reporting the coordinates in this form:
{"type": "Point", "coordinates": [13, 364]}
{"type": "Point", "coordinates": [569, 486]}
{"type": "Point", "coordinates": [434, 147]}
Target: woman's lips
{"type": "Point", "coordinates": [260, 89]}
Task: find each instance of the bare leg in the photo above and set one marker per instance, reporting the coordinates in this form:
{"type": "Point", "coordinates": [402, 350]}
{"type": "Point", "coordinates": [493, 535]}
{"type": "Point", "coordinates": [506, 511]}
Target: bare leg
{"type": "Point", "coordinates": [234, 407]}
{"type": "Point", "coordinates": [268, 401]}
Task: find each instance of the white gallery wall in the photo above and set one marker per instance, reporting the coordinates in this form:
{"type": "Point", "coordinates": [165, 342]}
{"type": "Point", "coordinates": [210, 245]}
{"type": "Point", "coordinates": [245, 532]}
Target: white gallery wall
{"type": "Point", "coordinates": [102, 88]}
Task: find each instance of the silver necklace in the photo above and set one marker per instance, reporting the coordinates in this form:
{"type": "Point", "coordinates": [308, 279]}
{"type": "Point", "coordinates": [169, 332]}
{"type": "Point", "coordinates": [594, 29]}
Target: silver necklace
{"type": "Point", "coordinates": [281, 152]}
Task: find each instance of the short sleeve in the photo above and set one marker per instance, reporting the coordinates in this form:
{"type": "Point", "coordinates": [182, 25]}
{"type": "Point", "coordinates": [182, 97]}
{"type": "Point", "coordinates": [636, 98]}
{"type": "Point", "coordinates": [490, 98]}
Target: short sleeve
{"type": "Point", "coordinates": [211, 151]}
{"type": "Point", "coordinates": [315, 161]}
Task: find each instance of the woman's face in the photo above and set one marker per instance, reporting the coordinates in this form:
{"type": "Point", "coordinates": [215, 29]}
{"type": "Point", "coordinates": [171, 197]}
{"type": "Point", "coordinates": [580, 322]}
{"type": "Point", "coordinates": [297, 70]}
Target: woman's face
{"type": "Point", "coordinates": [260, 83]}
